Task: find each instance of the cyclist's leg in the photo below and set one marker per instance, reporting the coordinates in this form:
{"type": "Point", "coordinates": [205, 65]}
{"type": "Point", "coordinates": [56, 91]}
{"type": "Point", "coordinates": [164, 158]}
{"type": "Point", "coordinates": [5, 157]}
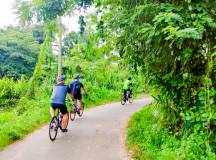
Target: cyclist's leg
{"type": "Point", "coordinates": [52, 109]}
{"type": "Point", "coordinates": [73, 109]}
{"type": "Point", "coordinates": [130, 92]}
{"type": "Point", "coordinates": [125, 93]}
{"type": "Point", "coordinates": [63, 110]}
{"type": "Point", "coordinates": [80, 104]}
{"type": "Point", "coordinates": [79, 98]}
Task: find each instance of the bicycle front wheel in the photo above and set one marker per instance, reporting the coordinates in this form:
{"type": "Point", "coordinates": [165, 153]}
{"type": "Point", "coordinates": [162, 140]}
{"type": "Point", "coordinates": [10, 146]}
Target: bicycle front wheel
{"type": "Point", "coordinates": [53, 128]}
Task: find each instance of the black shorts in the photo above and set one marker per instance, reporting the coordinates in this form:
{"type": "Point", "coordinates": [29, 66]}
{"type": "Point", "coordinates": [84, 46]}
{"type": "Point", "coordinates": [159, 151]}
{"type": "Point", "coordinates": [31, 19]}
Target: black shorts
{"type": "Point", "coordinates": [62, 107]}
{"type": "Point", "coordinates": [78, 96]}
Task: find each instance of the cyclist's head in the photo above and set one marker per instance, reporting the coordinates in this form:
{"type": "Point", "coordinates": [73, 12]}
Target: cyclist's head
{"type": "Point", "coordinates": [76, 76]}
{"type": "Point", "coordinates": [61, 78]}
{"type": "Point", "coordinates": [129, 78]}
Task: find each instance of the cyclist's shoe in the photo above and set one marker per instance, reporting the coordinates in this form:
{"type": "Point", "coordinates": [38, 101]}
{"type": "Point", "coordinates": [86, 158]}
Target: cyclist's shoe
{"type": "Point", "coordinates": [78, 112]}
{"type": "Point", "coordinates": [64, 130]}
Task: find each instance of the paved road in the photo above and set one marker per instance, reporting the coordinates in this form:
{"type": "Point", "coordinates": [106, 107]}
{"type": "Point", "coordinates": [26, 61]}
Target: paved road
{"type": "Point", "coordinates": [98, 135]}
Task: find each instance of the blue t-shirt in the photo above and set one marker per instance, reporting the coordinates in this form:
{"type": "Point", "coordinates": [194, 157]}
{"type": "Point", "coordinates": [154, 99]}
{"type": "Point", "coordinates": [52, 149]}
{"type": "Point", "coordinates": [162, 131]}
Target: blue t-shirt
{"type": "Point", "coordinates": [59, 93]}
{"type": "Point", "coordinates": [76, 87]}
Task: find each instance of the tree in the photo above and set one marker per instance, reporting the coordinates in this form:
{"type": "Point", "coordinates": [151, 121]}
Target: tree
{"type": "Point", "coordinates": [69, 41]}
{"type": "Point", "coordinates": [19, 50]}
{"type": "Point", "coordinates": [174, 43]}
{"type": "Point", "coordinates": [82, 24]}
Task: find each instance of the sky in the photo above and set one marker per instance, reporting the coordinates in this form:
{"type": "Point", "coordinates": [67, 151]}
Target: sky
{"type": "Point", "coordinates": [7, 16]}
{"type": "Point", "coordinates": [6, 13]}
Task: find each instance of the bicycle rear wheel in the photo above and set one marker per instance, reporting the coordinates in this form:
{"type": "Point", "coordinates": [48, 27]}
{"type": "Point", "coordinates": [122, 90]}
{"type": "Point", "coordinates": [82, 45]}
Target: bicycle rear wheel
{"type": "Point", "coordinates": [73, 113]}
{"type": "Point", "coordinates": [53, 128]}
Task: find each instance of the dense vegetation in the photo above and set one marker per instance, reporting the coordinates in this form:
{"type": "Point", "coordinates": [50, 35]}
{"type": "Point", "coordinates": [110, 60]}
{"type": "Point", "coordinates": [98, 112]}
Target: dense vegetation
{"type": "Point", "coordinates": [149, 141]}
{"type": "Point", "coordinates": [19, 48]}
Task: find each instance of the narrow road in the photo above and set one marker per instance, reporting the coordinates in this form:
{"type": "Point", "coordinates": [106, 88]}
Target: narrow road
{"type": "Point", "coordinates": [98, 135]}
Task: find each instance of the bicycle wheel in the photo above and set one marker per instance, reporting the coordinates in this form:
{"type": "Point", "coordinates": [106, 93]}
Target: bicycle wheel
{"type": "Point", "coordinates": [81, 110]}
{"type": "Point", "coordinates": [123, 101]}
{"type": "Point", "coordinates": [130, 99]}
{"type": "Point", "coordinates": [73, 113]}
{"type": "Point", "coordinates": [53, 128]}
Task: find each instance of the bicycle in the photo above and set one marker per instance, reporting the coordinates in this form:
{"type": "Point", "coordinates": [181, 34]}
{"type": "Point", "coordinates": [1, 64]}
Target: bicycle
{"type": "Point", "coordinates": [127, 98]}
{"type": "Point", "coordinates": [55, 124]}
{"type": "Point", "coordinates": [74, 111]}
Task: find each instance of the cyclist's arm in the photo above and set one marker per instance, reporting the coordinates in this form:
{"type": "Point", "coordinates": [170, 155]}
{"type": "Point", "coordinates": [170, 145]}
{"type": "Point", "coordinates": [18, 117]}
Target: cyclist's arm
{"type": "Point", "coordinates": [69, 93]}
{"type": "Point", "coordinates": [82, 86]}
{"type": "Point", "coordinates": [84, 91]}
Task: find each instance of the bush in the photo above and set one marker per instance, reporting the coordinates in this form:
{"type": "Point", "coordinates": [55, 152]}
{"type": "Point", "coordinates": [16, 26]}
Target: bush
{"type": "Point", "coordinates": [148, 140]}
{"type": "Point", "coordinates": [11, 91]}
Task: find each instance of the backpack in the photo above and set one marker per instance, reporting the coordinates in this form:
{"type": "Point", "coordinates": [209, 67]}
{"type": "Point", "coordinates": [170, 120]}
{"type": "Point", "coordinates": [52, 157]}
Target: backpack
{"type": "Point", "coordinates": [76, 88]}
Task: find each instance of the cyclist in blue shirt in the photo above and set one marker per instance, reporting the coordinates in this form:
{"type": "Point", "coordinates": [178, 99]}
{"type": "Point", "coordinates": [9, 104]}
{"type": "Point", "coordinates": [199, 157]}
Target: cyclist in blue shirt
{"type": "Point", "coordinates": [58, 99]}
{"type": "Point", "coordinates": [76, 87]}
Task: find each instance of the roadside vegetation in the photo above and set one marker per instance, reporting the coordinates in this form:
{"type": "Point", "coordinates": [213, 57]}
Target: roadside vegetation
{"type": "Point", "coordinates": [148, 139]}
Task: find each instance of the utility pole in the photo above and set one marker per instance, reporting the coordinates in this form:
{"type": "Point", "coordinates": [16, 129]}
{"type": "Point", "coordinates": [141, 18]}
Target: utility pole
{"type": "Point", "coordinates": [60, 47]}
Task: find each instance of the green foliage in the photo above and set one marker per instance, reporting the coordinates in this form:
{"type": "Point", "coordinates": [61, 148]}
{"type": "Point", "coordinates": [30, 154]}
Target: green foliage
{"type": "Point", "coordinates": [103, 80]}
{"type": "Point", "coordinates": [23, 9]}
{"type": "Point", "coordinates": [39, 72]}
{"type": "Point", "coordinates": [174, 43]}
{"type": "Point", "coordinates": [87, 47]}
{"type": "Point", "coordinates": [148, 141]}
{"type": "Point", "coordinates": [18, 52]}
{"type": "Point", "coordinates": [46, 10]}
{"type": "Point", "coordinates": [69, 42]}
{"type": "Point", "coordinates": [11, 92]}
{"type": "Point", "coordinates": [51, 9]}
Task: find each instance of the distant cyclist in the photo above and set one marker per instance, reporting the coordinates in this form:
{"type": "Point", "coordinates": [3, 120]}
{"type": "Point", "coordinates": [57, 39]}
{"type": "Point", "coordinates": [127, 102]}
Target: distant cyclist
{"type": "Point", "coordinates": [76, 87]}
{"type": "Point", "coordinates": [127, 87]}
{"type": "Point", "coordinates": [58, 98]}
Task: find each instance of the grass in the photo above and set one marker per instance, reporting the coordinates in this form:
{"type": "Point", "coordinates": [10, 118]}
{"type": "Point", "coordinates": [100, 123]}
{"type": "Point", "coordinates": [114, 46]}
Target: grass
{"type": "Point", "coordinates": [148, 141]}
{"type": "Point", "coordinates": [28, 116]}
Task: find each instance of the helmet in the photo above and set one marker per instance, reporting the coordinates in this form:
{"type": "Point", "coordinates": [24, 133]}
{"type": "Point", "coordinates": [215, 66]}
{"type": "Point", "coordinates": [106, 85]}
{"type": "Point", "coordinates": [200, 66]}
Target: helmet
{"type": "Point", "coordinates": [76, 76]}
{"type": "Point", "coordinates": [61, 78]}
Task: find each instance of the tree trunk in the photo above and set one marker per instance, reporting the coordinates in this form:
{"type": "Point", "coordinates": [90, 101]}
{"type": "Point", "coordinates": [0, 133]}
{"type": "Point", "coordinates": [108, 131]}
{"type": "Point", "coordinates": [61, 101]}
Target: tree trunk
{"type": "Point", "coordinates": [60, 48]}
